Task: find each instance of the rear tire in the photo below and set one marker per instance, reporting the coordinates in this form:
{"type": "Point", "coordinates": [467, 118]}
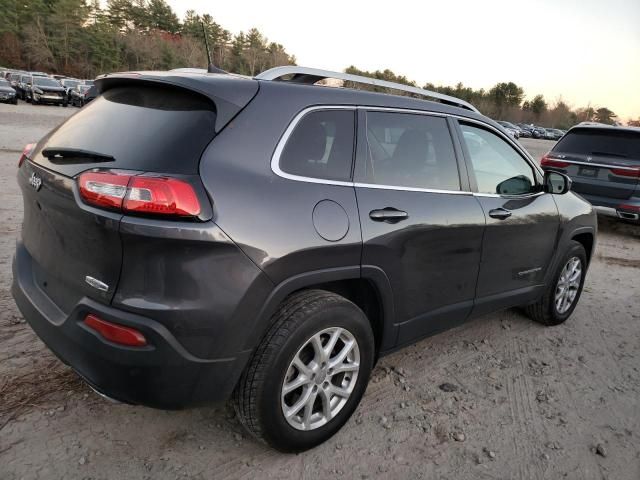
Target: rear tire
{"type": "Point", "coordinates": [561, 296]}
{"type": "Point", "coordinates": [310, 331]}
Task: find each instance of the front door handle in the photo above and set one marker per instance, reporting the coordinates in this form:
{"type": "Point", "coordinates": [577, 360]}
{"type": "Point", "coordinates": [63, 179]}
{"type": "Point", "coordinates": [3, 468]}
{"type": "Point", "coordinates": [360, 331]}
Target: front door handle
{"type": "Point", "coordinates": [500, 213]}
{"type": "Point", "coordinates": [388, 214]}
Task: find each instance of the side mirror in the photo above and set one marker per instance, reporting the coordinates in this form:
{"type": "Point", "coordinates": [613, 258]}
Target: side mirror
{"type": "Point", "coordinates": [556, 182]}
{"type": "Point", "coordinates": [514, 186]}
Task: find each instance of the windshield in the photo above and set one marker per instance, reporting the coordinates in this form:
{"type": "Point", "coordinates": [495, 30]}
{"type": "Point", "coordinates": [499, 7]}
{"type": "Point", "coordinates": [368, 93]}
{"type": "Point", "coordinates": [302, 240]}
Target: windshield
{"type": "Point", "coordinates": [70, 83]}
{"type": "Point", "coordinates": [83, 88]}
{"type": "Point", "coordinates": [3, 83]}
{"type": "Point", "coordinates": [45, 82]}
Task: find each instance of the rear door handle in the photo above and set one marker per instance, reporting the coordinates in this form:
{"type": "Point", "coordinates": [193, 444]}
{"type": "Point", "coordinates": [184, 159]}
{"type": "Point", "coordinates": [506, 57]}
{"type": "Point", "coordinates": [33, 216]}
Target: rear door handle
{"type": "Point", "coordinates": [388, 214]}
{"type": "Point", "coordinates": [500, 213]}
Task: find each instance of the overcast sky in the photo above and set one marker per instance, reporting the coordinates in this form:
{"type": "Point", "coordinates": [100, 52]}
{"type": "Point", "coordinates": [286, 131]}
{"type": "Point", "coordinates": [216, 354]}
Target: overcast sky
{"type": "Point", "coordinates": [585, 50]}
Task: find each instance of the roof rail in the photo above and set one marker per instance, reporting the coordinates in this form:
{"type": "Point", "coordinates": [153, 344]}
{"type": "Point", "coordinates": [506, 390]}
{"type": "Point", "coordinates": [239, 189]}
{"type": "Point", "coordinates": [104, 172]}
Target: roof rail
{"type": "Point", "coordinates": [312, 75]}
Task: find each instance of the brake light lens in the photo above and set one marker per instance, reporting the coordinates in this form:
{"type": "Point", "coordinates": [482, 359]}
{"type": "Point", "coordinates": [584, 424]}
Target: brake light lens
{"type": "Point", "coordinates": [551, 162]}
{"type": "Point", "coordinates": [633, 208]}
{"type": "Point", "coordinates": [25, 153]}
{"type": "Point", "coordinates": [624, 172]}
{"type": "Point", "coordinates": [104, 189]}
{"type": "Point", "coordinates": [115, 333]}
{"type": "Point", "coordinates": [161, 196]}
{"type": "Point", "coordinates": [139, 193]}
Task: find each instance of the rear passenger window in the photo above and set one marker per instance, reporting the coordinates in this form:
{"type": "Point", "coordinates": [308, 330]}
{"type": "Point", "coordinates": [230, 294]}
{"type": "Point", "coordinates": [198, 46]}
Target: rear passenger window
{"type": "Point", "coordinates": [321, 146]}
{"type": "Point", "coordinates": [409, 150]}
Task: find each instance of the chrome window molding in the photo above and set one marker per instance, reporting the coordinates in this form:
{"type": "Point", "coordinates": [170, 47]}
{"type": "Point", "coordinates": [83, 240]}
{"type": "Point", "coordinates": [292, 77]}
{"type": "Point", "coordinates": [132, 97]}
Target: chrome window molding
{"type": "Point", "coordinates": [410, 189]}
{"type": "Point", "coordinates": [275, 158]}
{"type": "Point", "coordinates": [515, 197]}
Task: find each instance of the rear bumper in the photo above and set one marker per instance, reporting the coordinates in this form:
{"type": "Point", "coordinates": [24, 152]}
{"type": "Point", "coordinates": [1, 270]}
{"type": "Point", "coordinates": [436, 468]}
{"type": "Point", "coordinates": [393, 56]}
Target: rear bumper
{"type": "Point", "coordinates": [162, 374]}
{"type": "Point", "coordinates": [622, 207]}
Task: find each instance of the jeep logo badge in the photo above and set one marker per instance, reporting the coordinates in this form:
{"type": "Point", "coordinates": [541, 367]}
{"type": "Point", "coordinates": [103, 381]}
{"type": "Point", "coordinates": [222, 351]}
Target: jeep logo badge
{"type": "Point", "coordinates": [35, 181]}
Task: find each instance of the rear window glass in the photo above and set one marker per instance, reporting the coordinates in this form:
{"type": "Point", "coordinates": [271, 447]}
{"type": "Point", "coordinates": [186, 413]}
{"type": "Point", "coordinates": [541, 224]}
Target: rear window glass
{"type": "Point", "coordinates": [623, 144]}
{"type": "Point", "coordinates": [145, 128]}
{"type": "Point", "coordinates": [321, 146]}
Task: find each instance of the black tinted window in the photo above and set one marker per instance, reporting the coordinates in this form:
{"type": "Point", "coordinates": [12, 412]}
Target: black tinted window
{"type": "Point", "coordinates": [621, 143]}
{"type": "Point", "coordinates": [321, 146]}
{"type": "Point", "coordinates": [146, 128]}
{"type": "Point", "coordinates": [409, 150]}
{"type": "Point", "coordinates": [498, 168]}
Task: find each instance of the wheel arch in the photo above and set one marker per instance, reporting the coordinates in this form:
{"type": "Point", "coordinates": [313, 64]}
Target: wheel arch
{"type": "Point", "coordinates": [367, 286]}
{"type": "Point", "coordinates": [587, 240]}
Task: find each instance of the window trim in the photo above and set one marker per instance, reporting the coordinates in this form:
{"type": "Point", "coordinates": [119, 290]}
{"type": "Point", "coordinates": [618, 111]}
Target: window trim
{"type": "Point", "coordinates": [275, 158]}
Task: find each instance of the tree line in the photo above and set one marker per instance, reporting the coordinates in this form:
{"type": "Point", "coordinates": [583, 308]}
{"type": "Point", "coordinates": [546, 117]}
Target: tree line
{"type": "Point", "coordinates": [81, 38]}
{"type": "Point", "coordinates": [506, 101]}
{"type": "Point", "coordinates": [84, 38]}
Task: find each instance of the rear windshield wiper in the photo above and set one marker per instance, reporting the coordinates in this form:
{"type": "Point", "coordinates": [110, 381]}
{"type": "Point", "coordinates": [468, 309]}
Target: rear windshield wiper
{"type": "Point", "coordinates": [609, 154]}
{"type": "Point", "coordinates": [74, 155]}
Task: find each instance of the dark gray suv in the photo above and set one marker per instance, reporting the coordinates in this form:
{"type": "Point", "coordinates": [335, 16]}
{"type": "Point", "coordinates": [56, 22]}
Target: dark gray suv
{"type": "Point", "coordinates": [604, 163]}
{"type": "Point", "coordinates": [190, 237]}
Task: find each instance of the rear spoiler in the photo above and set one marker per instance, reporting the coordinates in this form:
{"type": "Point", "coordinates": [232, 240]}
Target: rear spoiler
{"type": "Point", "coordinates": [229, 93]}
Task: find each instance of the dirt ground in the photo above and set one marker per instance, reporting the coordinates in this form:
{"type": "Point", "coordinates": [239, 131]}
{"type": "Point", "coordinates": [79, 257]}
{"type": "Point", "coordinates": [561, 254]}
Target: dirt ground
{"type": "Point", "coordinates": [524, 401]}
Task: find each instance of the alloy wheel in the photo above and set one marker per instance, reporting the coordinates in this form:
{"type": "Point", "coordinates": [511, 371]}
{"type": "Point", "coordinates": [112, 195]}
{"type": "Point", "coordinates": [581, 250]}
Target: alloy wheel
{"type": "Point", "coordinates": [568, 285]}
{"type": "Point", "coordinates": [320, 378]}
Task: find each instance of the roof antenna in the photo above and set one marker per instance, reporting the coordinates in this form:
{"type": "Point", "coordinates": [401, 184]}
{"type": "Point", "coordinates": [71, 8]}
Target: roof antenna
{"type": "Point", "coordinates": [211, 68]}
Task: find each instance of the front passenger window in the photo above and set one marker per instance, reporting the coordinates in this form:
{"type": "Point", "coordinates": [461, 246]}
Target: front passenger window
{"type": "Point", "coordinates": [498, 168]}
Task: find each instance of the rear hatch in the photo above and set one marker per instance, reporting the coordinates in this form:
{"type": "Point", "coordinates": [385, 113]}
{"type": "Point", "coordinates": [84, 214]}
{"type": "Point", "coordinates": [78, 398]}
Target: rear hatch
{"type": "Point", "coordinates": [133, 127]}
{"type": "Point", "coordinates": [601, 161]}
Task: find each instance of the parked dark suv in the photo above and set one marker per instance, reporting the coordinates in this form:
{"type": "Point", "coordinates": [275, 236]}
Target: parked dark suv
{"type": "Point", "coordinates": [604, 163]}
{"type": "Point", "coordinates": [188, 237]}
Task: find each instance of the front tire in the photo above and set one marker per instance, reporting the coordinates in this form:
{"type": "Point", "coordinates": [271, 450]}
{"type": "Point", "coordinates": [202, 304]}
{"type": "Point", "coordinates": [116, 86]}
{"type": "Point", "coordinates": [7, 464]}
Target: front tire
{"type": "Point", "coordinates": [561, 296]}
{"type": "Point", "coordinates": [308, 374]}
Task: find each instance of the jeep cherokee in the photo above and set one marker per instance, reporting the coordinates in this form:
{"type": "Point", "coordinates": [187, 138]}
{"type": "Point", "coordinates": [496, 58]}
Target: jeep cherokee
{"type": "Point", "coordinates": [190, 237]}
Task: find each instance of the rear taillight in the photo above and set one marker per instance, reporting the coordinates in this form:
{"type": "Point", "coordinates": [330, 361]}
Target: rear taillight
{"type": "Point", "coordinates": [104, 189]}
{"type": "Point", "coordinates": [154, 195]}
{"type": "Point", "coordinates": [633, 172]}
{"type": "Point", "coordinates": [25, 153]}
{"type": "Point", "coordinates": [115, 333]}
{"type": "Point", "coordinates": [162, 196]}
{"type": "Point", "coordinates": [633, 208]}
{"type": "Point", "coordinates": [551, 162]}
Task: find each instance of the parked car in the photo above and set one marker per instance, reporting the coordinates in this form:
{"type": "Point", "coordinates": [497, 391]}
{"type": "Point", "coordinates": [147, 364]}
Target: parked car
{"type": "Point", "coordinates": [553, 134]}
{"type": "Point", "coordinates": [69, 83]}
{"type": "Point", "coordinates": [604, 165]}
{"type": "Point", "coordinates": [77, 95]}
{"type": "Point", "coordinates": [526, 130]}
{"type": "Point", "coordinates": [14, 78]}
{"type": "Point", "coordinates": [47, 90]}
{"type": "Point", "coordinates": [539, 132]}
{"type": "Point", "coordinates": [7, 93]}
{"type": "Point", "coordinates": [23, 87]}
{"type": "Point", "coordinates": [511, 128]}
{"type": "Point", "coordinates": [170, 261]}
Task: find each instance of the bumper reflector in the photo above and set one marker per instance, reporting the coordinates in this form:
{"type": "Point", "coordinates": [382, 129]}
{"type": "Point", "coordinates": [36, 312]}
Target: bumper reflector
{"type": "Point", "coordinates": [116, 333]}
